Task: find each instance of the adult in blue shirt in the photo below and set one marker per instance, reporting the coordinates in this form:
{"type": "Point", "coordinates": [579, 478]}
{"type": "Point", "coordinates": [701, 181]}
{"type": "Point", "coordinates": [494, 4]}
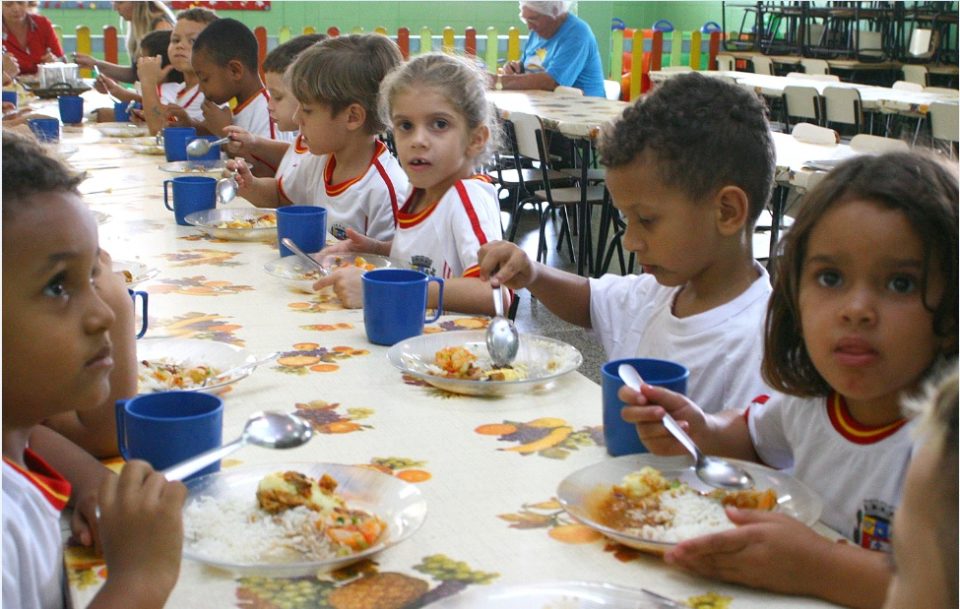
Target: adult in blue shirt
{"type": "Point", "coordinates": [560, 51]}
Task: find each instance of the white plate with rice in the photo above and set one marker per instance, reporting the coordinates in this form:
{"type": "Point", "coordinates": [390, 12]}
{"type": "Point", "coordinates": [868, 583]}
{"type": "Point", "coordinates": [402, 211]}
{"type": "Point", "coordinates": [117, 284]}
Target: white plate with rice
{"type": "Point", "coordinates": [186, 364]}
{"type": "Point", "coordinates": [218, 530]}
{"type": "Point", "coordinates": [582, 492]}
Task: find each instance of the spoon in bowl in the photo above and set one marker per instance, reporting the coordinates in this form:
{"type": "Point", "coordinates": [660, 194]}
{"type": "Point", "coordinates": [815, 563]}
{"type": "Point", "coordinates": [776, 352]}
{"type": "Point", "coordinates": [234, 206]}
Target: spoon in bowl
{"type": "Point", "coordinates": [268, 429]}
{"type": "Point", "coordinates": [711, 470]}
{"type": "Point", "coordinates": [503, 340]}
{"type": "Point", "coordinates": [201, 146]}
{"type": "Point", "coordinates": [305, 257]}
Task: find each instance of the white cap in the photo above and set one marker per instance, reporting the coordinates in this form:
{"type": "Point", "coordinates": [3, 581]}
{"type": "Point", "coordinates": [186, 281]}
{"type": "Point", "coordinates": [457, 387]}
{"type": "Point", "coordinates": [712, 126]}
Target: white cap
{"type": "Point", "coordinates": [551, 8]}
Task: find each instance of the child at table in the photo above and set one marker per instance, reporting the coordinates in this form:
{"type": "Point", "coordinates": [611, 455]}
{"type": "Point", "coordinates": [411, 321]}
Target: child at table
{"type": "Point", "coordinates": [298, 172]}
{"type": "Point", "coordinates": [153, 44]}
{"type": "Point", "coordinates": [175, 103]}
{"type": "Point", "coordinates": [443, 126]}
{"type": "Point", "coordinates": [925, 548]}
{"type": "Point", "coordinates": [690, 167]}
{"type": "Point", "coordinates": [57, 357]}
{"type": "Point", "coordinates": [225, 61]}
{"type": "Point", "coordinates": [863, 310]}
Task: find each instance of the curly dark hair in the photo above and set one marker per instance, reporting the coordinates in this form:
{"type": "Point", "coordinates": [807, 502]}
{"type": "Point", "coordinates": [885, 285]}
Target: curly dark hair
{"type": "Point", "coordinates": [922, 188]}
{"type": "Point", "coordinates": [227, 39]}
{"type": "Point", "coordinates": [29, 170]}
{"type": "Point", "coordinates": [704, 134]}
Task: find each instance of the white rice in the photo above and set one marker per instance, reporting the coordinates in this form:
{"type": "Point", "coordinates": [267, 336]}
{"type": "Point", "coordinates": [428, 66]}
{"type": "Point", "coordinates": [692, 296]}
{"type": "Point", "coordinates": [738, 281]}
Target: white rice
{"type": "Point", "coordinates": [235, 530]}
{"type": "Point", "coordinates": [683, 514]}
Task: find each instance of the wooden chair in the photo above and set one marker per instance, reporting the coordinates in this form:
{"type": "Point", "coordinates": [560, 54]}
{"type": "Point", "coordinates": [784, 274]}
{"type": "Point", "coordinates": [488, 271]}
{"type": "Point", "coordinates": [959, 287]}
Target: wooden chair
{"type": "Point", "coordinates": [803, 103]}
{"type": "Point", "coordinates": [843, 106]}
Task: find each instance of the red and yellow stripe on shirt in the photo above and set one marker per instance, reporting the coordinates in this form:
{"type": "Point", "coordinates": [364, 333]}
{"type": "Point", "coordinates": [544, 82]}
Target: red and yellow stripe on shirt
{"type": "Point", "coordinates": [855, 432]}
{"type": "Point", "coordinates": [47, 480]}
{"type": "Point", "coordinates": [337, 189]}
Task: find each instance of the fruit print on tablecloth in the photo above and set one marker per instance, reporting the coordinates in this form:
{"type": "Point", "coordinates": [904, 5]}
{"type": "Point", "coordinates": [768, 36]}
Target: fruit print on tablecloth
{"type": "Point", "coordinates": [198, 285]}
{"type": "Point", "coordinates": [201, 256]}
{"type": "Point", "coordinates": [362, 588]}
{"type": "Point", "coordinates": [318, 303]}
{"type": "Point", "coordinates": [549, 437]}
{"type": "Point", "coordinates": [408, 470]}
{"type": "Point", "coordinates": [207, 326]}
{"type": "Point", "coordinates": [311, 357]}
{"type": "Point", "coordinates": [460, 323]}
{"type": "Point", "coordinates": [550, 515]}
{"type": "Point", "coordinates": [340, 325]}
{"type": "Point", "coordinates": [325, 418]}
{"type": "Point", "coordinates": [203, 237]}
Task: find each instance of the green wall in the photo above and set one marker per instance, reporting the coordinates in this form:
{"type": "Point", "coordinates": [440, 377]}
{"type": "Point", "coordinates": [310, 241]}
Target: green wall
{"type": "Point", "coordinates": [435, 14]}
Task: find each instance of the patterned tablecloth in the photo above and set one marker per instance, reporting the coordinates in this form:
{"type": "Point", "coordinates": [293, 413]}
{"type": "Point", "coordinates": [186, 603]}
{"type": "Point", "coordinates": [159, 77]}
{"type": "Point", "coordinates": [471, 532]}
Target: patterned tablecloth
{"type": "Point", "coordinates": [488, 468]}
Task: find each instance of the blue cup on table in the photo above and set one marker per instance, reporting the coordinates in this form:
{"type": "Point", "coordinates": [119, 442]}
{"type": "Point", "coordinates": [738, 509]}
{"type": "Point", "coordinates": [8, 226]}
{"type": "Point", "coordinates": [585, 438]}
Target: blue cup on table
{"type": "Point", "coordinates": [168, 427]}
{"type": "Point", "coordinates": [71, 109]}
{"type": "Point", "coordinates": [175, 142]}
{"type": "Point", "coordinates": [144, 297]}
{"type": "Point", "coordinates": [190, 194]}
{"type": "Point", "coordinates": [620, 436]}
{"type": "Point", "coordinates": [120, 112]}
{"type": "Point", "coordinates": [212, 155]}
{"type": "Point", "coordinates": [47, 130]}
{"type": "Point", "coordinates": [305, 225]}
{"type": "Point", "coordinates": [10, 97]}
{"type": "Point", "coordinates": [395, 304]}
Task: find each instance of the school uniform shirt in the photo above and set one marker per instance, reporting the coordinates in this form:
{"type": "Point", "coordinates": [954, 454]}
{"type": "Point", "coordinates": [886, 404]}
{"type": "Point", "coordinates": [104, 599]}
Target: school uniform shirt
{"type": "Point", "coordinates": [443, 239]}
{"type": "Point", "coordinates": [33, 498]}
{"type": "Point", "coordinates": [40, 39]}
{"type": "Point", "coordinates": [254, 116]}
{"type": "Point", "coordinates": [723, 347]}
{"type": "Point", "coordinates": [287, 136]}
{"type": "Point", "coordinates": [368, 203]}
{"type": "Point", "coordinates": [177, 93]}
{"type": "Point", "coordinates": [299, 175]}
{"type": "Point", "coordinates": [858, 471]}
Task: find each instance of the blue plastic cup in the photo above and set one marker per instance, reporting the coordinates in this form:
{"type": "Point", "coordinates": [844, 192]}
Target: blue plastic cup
{"type": "Point", "coordinates": [175, 142]}
{"type": "Point", "coordinates": [46, 129]}
{"type": "Point", "coordinates": [71, 109]}
{"type": "Point", "coordinates": [168, 427]}
{"type": "Point", "coordinates": [190, 194]}
{"type": "Point", "coordinates": [305, 225]}
{"type": "Point", "coordinates": [144, 297]}
{"type": "Point", "coordinates": [620, 436]}
{"type": "Point", "coordinates": [120, 112]}
{"type": "Point", "coordinates": [10, 96]}
{"type": "Point", "coordinates": [395, 304]}
{"type": "Point", "coordinates": [212, 155]}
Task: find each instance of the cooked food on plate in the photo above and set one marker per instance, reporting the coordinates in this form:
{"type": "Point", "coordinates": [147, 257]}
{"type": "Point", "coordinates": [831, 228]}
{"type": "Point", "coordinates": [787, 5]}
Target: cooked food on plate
{"type": "Point", "coordinates": [260, 221]}
{"type": "Point", "coordinates": [163, 374]}
{"type": "Point", "coordinates": [461, 363]}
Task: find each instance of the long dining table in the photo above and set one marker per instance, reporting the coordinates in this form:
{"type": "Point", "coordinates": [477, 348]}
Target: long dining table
{"type": "Point", "coordinates": [487, 468]}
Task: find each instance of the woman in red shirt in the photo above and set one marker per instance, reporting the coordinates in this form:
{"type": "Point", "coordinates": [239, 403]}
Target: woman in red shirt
{"type": "Point", "coordinates": [29, 38]}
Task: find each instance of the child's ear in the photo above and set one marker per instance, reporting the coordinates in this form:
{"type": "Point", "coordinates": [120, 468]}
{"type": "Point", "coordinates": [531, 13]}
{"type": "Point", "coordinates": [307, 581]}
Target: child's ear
{"type": "Point", "coordinates": [478, 141]}
{"type": "Point", "coordinates": [236, 69]}
{"type": "Point", "coordinates": [356, 116]}
{"type": "Point", "coordinates": [732, 210]}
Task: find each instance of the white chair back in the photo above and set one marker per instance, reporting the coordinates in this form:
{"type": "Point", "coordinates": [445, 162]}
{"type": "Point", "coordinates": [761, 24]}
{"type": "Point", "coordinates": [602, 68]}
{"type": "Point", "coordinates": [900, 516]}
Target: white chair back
{"type": "Point", "coordinates": [815, 66]}
{"type": "Point", "coordinates": [813, 134]}
{"type": "Point", "coordinates": [945, 121]}
{"type": "Point", "coordinates": [525, 128]}
{"type": "Point", "coordinates": [803, 102]}
{"type": "Point", "coordinates": [762, 64]}
{"type": "Point", "coordinates": [611, 89]}
{"type": "Point", "coordinates": [726, 63]}
{"type": "Point", "coordinates": [875, 144]}
{"type": "Point", "coordinates": [906, 85]}
{"type": "Point", "coordinates": [843, 105]}
{"type": "Point", "coordinates": [915, 73]}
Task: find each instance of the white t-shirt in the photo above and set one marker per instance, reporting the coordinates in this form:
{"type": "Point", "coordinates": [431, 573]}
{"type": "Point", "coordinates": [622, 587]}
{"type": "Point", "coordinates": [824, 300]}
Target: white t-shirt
{"type": "Point", "coordinates": [858, 471]}
{"type": "Point", "coordinates": [300, 174]}
{"type": "Point", "coordinates": [368, 203]}
{"type": "Point", "coordinates": [177, 94]}
{"type": "Point", "coordinates": [288, 136]}
{"type": "Point", "coordinates": [444, 238]}
{"type": "Point", "coordinates": [722, 348]}
{"type": "Point", "coordinates": [33, 575]}
{"type": "Point", "coordinates": [254, 116]}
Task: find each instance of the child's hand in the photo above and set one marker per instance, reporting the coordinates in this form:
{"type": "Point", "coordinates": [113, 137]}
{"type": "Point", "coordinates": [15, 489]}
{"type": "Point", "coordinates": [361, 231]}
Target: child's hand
{"type": "Point", "coordinates": [175, 115]}
{"type": "Point", "coordinates": [151, 72]}
{"type": "Point", "coordinates": [354, 243]}
{"type": "Point", "coordinates": [84, 61]}
{"type": "Point", "coordinates": [646, 409]}
{"type": "Point", "coordinates": [767, 550]}
{"type": "Point", "coordinates": [216, 119]}
{"type": "Point", "coordinates": [141, 528]}
{"type": "Point", "coordinates": [243, 176]}
{"type": "Point", "coordinates": [241, 141]}
{"type": "Point", "coordinates": [504, 263]}
{"type": "Point", "coordinates": [84, 525]}
{"type": "Point", "coordinates": [346, 285]}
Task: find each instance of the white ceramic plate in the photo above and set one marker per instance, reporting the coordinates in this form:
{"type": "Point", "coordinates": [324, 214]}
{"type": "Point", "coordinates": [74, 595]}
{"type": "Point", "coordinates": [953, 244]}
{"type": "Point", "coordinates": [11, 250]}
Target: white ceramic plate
{"type": "Point", "coordinates": [216, 167]}
{"type": "Point", "coordinates": [399, 504]}
{"type": "Point", "coordinates": [581, 492]}
{"type": "Point", "coordinates": [139, 272]}
{"type": "Point", "coordinates": [299, 277]}
{"type": "Point", "coordinates": [210, 221]}
{"type": "Point", "coordinates": [548, 595]}
{"type": "Point", "coordinates": [187, 352]}
{"type": "Point", "coordinates": [545, 359]}
{"type": "Point", "coordinates": [121, 129]}
{"type": "Point", "coordinates": [146, 145]}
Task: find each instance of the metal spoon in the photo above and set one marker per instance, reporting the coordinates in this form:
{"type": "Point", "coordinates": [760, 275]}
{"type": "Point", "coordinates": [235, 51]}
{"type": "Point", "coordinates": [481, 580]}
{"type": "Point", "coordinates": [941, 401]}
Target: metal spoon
{"type": "Point", "coordinates": [227, 188]}
{"type": "Point", "coordinates": [267, 429]}
{"type": "Point", "coordinates": [226, 375]}
{"type": "Point", "coordinates": [503, 340]}
{"type": "Point", "coordinates": [302, 255]}
{"type": "Point", "coordinates": [201, 146]}
{"type": "Point", "coordinates": [712, 470]}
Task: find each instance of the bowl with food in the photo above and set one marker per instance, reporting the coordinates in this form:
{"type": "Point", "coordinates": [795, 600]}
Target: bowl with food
{"type": "Point", "coordinates": [236, 224]}
{"type": "Point", "coordinates": [300, 277]}
{"type": "Point", "coordinates": [185, 364]}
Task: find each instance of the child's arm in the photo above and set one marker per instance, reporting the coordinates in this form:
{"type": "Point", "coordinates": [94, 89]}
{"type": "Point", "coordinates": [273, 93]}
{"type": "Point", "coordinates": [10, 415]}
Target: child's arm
{"type": "Point", "coordinates": [95, 429]}
{"type": "Point", "coordinates": [565, 294]}
{"type": "Point", "coordinates": [114, 71]}
{"type": "Point", "coordinates": [262, 192]}
{"type": "Point", "coordinates": [463, 295]}
{"type": "Point", "coordinates": [141, 527]}
{"type": "Point", "coordinates": [776, 552]}
{"type": "Point", "coordinates": [253, 147]}
{"type": "Point", "coordinates": [151, 75]}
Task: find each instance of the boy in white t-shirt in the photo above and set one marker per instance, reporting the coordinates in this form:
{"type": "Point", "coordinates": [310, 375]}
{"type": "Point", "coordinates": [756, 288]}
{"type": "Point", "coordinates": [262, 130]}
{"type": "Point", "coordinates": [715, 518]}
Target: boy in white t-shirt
{"type": "Point", "coordinates": [690, 167]}
{"type": "Point", "coordinates": [175, 104]}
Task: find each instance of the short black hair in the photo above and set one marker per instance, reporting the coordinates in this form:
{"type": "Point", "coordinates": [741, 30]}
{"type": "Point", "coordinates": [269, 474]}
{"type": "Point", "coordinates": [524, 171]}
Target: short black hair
{"type": "Point", "coordinates": [280, 58]}
{"type": "Point", "coordinates": [156, 43]}
{"type": "Point", "coordinates": [703, 134]}
{"type": "Point", "coordinates": [28, 170]}
{"type": "Point", "coordinates": [227, 39]}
